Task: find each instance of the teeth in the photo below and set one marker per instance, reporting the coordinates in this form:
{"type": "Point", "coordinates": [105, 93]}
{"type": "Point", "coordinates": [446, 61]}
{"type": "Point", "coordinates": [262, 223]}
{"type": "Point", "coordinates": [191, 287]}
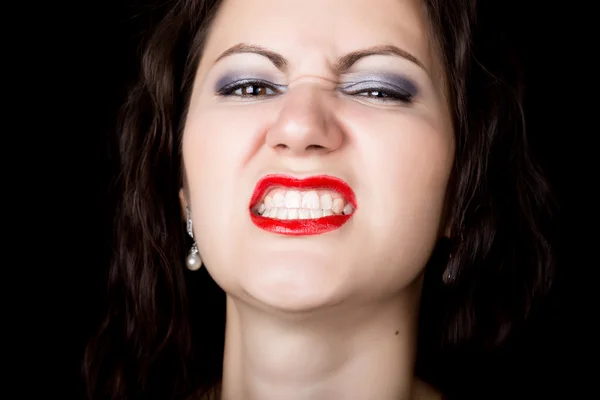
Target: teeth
{"type": "Point", "coordinates": [262, 208]}
{"type": "Point", "coordinates": [282, 213]}
{"type": "Point", "coordinates": [310, 200]}
{"type": "Point", "coordinates": [298, 213]}
{"type": "Point", "coordinates": [278, 200]}
{"type": "Point", "coordinates": [338, 206]}
{"type": "Point", "coordinates": [304, 213]}
{"type": "Point", "coordinates": [326, 202]}
{"type": "Point", "coordinates": [293, 204]}
{"type": "Point", "coordinates": [292, 199]}
{"type": "Point", "coordinates": [348, 209]}
{"type": "Point", "coordinates": [268, 202]}
{"type": "Point", "coordinates": [292, 213]}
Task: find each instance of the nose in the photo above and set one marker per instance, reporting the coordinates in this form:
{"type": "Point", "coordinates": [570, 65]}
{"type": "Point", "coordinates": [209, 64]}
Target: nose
{"type": "Point", "coordinates": [306, 123]}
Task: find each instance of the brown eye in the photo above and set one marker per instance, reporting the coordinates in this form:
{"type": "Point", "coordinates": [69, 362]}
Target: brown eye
{"type": "Point", "coordinates": [253, 91]}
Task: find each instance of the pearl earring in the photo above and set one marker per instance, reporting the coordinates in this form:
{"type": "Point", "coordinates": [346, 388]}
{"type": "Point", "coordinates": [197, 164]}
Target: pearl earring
{"type": "Point", "coordinates": [193, 261]}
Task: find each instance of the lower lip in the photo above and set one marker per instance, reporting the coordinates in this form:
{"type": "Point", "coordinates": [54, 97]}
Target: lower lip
{"type": "Point", "coordinates": [300, 227]}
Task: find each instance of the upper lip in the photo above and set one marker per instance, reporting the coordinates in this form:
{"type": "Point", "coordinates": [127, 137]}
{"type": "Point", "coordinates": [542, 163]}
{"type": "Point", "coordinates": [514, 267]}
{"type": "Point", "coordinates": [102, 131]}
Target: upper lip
{"type": "Point", "coordinates": [312, 182]}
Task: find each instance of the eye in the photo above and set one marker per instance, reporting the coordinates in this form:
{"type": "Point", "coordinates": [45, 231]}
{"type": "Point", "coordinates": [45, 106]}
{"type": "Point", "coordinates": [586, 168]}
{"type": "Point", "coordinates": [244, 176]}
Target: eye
{"type": "Point", "coordinates": [380, 94]}
{"type": "Point", "coordinates": [250, 89]}
{"type": "Point", "coordinates": [376, 91]}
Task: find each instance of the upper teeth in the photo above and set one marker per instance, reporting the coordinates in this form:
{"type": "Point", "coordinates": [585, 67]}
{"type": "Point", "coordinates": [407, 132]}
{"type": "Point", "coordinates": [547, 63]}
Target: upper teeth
{"type": "Point", "coordinates": [292, 204]}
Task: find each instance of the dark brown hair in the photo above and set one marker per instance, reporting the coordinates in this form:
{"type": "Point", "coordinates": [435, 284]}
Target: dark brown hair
{"type": "Point", "coordinates": [163, 333]}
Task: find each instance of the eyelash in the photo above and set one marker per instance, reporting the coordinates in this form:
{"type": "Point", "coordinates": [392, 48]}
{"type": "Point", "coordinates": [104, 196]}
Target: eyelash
{"type": "Point", "coordinates": [229, 90]}
{"type": "Point", "coordinates": [383, 93]}
{"type": "Point", "coordinates": [390, 93]}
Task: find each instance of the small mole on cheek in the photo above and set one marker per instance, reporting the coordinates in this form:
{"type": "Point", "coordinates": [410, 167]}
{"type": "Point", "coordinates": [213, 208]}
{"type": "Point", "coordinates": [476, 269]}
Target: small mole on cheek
{"type": "Point", "coordinates": [397, 332]}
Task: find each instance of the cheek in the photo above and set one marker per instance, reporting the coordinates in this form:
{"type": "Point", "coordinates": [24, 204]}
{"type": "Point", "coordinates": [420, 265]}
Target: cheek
{"type": "Point", "coordinates": [209, 159]}
{"type": "Point", "coordinates": [407, 157]}
{"type": "Point", "coordinates": [411, 171]}
{"type": "Point", "coordinates": [405, 162]}
{"type": "Point", "coordinates": [217, 144]}
{"type": "Point", "coordinates": [216, 149]}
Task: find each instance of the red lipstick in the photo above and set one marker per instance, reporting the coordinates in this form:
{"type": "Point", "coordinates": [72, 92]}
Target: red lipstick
{"type": "Point", "coordinates": [301, 227]}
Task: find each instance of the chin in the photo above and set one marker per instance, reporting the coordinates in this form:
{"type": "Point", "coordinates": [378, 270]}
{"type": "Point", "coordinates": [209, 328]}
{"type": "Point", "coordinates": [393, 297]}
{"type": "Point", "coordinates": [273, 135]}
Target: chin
{"type": "Point", "coordinates": [294, 282]}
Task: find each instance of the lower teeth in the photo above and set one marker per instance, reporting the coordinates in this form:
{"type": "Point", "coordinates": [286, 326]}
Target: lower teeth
{"type": "Point", "coordinates": [291, 214]}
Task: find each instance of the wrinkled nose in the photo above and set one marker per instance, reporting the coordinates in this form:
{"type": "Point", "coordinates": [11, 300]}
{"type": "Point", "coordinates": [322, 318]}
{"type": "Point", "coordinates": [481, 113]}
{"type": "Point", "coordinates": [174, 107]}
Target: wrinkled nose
{"type": "Point", "coordinates": [306, 123]}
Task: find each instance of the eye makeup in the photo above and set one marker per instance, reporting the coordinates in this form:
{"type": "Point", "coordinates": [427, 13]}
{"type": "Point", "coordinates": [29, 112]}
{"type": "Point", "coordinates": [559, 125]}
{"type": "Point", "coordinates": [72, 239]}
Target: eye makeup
{"type": "Point", "coordinates": [377, 86]}
{"type": "Point", "coordinates": [397, 84]}
{"type": "Point", "coordinates": [233, 79]}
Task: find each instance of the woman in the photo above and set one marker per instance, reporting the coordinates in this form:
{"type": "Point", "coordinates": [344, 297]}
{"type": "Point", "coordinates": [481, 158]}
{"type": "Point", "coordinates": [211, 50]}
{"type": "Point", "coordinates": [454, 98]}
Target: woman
{"type": "Point", "coordinates": [316, 160]}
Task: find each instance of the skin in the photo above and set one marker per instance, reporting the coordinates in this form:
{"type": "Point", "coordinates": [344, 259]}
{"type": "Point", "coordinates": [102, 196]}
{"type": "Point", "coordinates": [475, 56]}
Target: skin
{"type": "Point", "coordinates": [334, 315]}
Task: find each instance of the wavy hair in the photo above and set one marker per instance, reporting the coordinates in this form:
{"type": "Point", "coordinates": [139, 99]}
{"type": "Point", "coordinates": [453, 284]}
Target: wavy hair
{"type": "Point", "coordinates": [163, 331]}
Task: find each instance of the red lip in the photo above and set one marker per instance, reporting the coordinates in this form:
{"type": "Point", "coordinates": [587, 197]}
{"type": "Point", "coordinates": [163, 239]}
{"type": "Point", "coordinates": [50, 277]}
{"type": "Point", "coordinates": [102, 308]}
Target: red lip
{"type": "Point", "coordinates": [302, 227]}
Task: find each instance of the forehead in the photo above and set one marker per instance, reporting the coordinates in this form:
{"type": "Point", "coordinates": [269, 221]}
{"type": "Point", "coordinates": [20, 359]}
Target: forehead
{"type": "Point", "coordinates": [299, 29]}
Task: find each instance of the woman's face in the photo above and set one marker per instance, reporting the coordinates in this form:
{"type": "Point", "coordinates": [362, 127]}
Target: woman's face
{"type": "Point", "coordinates": [347, 89]}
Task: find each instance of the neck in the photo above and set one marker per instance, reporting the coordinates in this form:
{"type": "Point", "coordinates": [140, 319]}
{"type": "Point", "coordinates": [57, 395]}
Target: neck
{"type": "Point", "coordinates": [344, 352]}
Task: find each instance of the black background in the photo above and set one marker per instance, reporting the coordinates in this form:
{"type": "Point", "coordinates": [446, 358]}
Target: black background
{"type": "Point", "coordinates": [69, 67]}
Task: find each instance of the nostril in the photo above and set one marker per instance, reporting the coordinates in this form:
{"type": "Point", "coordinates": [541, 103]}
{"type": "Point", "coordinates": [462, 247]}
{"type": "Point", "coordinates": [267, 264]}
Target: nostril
{"type": "Point", "coordinates": [310, 147]}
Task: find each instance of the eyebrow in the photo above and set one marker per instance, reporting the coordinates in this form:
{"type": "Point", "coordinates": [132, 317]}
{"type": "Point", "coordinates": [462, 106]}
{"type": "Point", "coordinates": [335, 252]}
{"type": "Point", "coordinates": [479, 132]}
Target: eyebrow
{"type": "Point", "coordinates": [342, 65]}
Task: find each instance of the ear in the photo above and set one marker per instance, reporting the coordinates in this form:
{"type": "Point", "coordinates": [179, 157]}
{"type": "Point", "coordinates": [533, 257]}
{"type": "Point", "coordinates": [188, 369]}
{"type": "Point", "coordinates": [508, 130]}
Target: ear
{"type": "Point", "coordinates": [184, 203]}
{"type": "Point", "coordinates": [448, 231]}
